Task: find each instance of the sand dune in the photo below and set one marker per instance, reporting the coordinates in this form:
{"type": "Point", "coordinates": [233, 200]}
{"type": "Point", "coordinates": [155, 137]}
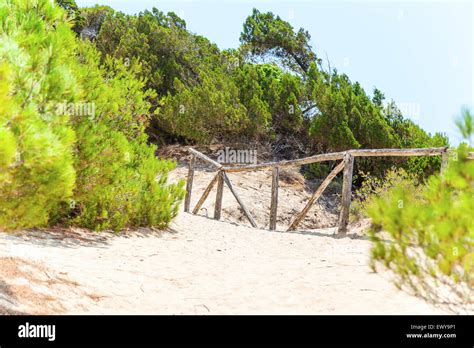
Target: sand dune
{"type": "Point", "coordinates": [202, 266]}
{"type": "Point", "coordinates": [205, 267]}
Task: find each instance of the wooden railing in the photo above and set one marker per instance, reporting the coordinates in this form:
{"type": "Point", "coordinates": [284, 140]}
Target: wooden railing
{"type": "Point", "coordinates": [346, 165]}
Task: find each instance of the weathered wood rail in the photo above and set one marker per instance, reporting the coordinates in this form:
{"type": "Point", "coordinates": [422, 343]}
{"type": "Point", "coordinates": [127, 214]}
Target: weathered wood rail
{"type": "Point", "coordinates": [346, 166]}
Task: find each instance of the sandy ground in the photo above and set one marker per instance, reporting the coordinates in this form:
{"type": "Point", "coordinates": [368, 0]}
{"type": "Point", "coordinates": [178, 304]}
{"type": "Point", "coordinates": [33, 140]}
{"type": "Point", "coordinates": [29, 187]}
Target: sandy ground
{"type": "Point", "coordinates": [208, 267]}
{"type": "Point", "coordinates": [203, 266]}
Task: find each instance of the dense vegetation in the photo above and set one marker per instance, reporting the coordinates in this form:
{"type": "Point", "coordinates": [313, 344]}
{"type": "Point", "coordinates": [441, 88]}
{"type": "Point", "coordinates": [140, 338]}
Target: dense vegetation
{"type": "Point", "coordinates": [137, 80]}
{"type": "Point", "coordinates": [89, 164]}
{"type": "Point", "coordinates": [272, 89]}
{"type": "Point", "coordinates": [430, 229]}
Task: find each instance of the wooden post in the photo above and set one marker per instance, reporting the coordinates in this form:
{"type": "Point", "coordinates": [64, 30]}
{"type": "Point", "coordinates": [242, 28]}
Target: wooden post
{"type": "Point", "coordinates": [274, 201]}
{"type": "Point", "coordinates": [346, 194]}
{"type": "Point", "coordinates": [241, 203]}
{"type": "Point", "coordinates": [315, 196]}
{"type": "Point", "coordinates": [444, 161]}
{"type": "Point", "coordinates": [220, 191]}
{"type": "Point", "coordinates": [189, 183]}
{"type": "Point", "coordinates": [205, 194]}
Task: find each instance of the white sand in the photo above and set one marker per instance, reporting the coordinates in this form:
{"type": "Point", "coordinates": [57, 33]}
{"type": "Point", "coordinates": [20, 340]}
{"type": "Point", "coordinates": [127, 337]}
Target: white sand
{"type": "Point", "coordinates": [204, 266]}
{"type": "Point", "coordinates": [207, 267]}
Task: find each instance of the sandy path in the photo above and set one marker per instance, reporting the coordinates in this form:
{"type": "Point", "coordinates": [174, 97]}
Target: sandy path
{"type": "Point", "coordinates": [208, 267]}
{"type": "Point", "coordinates": [203, 266]}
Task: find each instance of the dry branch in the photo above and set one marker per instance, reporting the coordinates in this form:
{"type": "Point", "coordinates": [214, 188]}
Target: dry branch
{"type": "Point", "coordinates": [316, 195]}
{"type": "Point", "coordinates": [205, 158]}
{"type": "Point", "coordinates": [241, 203]}
{"type": "Point", "coordinates": [307, 160]}
{"type": "Point", "coordinates": [433, 151]}
{"type": "Point", "coordinates": [205, 194]}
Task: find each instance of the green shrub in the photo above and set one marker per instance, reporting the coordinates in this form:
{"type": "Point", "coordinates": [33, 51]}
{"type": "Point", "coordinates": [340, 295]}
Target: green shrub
{"type": "Point", "coordinates": [196, 101]}
{"type": "Point", "coordinates": [117, 171]}
{"type": "Point", "coordinates": [36, 147]}
{"type": "Point", "coordinates": [60, 166]}
{"type": "Point", "coordinates": [431, 234]}
{"type": "Point", "coordinates": [206, 113]}
{"type": "Point", "coordinates": [316, 171]}
{"type": "Point", "coordinates": [373, 187]}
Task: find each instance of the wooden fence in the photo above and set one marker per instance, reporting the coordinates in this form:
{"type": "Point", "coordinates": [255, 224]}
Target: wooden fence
{"type": "Point", "coordinates": [346, 165]}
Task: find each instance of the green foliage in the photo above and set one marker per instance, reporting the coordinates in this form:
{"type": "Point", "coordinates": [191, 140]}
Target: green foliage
{"type": "Point", "coordinates": [92, 19]}
{"type": "Point", "coordinates": [73, 12]}
{"type": "Point", "coordinates": [8, 144]}
{"type": "Point", "coordinates": [254, 87]}
{"type": "Point", "coordinates": [164, 46]}
{"type": "Point", "coordinates": [346, 117]}
{"type": "Point", "coordinates": [335, 113]}
{"type": "Point", "coordinates": [267, 34]}
{"type": "Point", "coordinates": [431, 245]}
{"type": "Point", "coordinates": [37, 170]}
{"type": "Point", "coordinates": [93, 170]}
{"type": "Point", "coordinates": [316, 171]}
{"type": "Point", "coordinates": [196, 100]}
{"type": "Point", "coordinates": [248, 101]}
{"type": "Point", "coordinates": [204, 113]}
{"type": "Point", "coordinates": [465, 124]}
{"type": "Point", "coordinates": [206, 95]}
{"type": "Point", "coordinates": [116, 167]}
{"type": "Point", "coordinates": [272, 97]}
{"type": "Point", "coordinates": [373, 187]}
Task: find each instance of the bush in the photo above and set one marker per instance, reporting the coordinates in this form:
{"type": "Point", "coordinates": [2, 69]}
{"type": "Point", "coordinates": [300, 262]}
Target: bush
{"type": "Point", "coordinates": [316, 171]}
{"type": "Point", "coordinates": [35, 146]}
{"type": "Point", "coordinates": [431, 246]}
{"type": "Point", "coordinates": [94, 170]}
{"type": "Point", "coordinates": [373, 187]}
{"type": "Point", "coordinates": [206, 113]}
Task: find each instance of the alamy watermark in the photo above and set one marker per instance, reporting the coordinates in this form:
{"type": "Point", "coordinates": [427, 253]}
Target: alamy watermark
{"type": "Point", "coordinates": [82, 109]}
{"type": "Point", "coordinates": [37, 331]}
{"type": "Point", "coordinates": [408, 109]}
{"type": "Point", "coordinates": [241, 156]}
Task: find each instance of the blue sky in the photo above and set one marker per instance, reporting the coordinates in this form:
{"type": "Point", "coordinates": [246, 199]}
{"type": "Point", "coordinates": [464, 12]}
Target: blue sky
{"type": "Point", "coordinates": [418, 53]}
